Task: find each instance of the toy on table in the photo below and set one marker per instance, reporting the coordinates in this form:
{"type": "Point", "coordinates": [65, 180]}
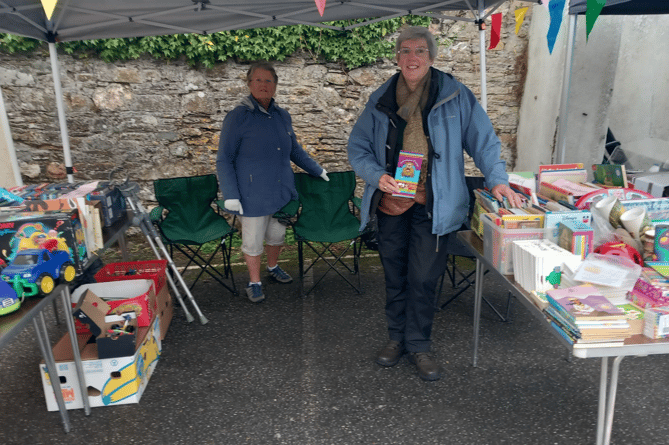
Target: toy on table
{"type": "Point", "coordinates": [40, 267]}
{"type": "Point", "coordinates": [620, 249]}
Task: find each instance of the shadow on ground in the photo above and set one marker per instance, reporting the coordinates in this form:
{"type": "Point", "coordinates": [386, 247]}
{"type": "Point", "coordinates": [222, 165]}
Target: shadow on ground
{"type": "Point", "coordinates": [296, 370]}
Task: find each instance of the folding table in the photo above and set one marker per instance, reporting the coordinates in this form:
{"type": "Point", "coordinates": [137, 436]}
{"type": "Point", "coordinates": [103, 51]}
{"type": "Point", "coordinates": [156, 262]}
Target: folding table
{"type": "Point", "coordinates": [32, 310]}
{"type": "Point", "coordinates": [637, 345]}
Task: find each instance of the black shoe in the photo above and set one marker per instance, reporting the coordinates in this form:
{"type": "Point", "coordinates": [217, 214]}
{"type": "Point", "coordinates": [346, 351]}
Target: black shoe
{"type": "Point", "coordinates": [427, 368]}
{"type": "Point", "coordinates": [390, 354]}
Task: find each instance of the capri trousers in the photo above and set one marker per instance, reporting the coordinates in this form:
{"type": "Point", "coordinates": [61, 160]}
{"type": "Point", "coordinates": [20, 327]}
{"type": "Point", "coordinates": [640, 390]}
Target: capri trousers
{"type": "Point", "coordinates": [256, 229]}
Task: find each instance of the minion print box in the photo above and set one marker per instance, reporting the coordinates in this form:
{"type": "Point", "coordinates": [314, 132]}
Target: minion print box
{"type": "Point", "coordinates": [110, 381]}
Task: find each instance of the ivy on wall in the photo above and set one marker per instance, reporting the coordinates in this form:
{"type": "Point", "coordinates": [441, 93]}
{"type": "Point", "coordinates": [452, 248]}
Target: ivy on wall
{"type": "Point", "coordinates": [359, 46]}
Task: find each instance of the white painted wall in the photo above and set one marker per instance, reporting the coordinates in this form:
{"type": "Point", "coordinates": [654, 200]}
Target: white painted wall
{"type": "Point", "coordinates": [619, 79]}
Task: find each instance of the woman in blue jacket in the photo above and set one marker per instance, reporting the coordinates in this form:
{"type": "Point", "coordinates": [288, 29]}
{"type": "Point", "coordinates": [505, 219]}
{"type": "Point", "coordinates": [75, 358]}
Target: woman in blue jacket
{"type": "Point", "coordinates": [426, 112]}
{"type": "Point", "coordinates": [253, 164]}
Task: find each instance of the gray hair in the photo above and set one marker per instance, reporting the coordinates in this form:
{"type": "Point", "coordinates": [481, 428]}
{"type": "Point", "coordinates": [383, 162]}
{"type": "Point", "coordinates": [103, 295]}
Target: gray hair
{"type": "Point", "coordinates": [416, 33]}
{"type": "Point", "coordinates": [267, 66]}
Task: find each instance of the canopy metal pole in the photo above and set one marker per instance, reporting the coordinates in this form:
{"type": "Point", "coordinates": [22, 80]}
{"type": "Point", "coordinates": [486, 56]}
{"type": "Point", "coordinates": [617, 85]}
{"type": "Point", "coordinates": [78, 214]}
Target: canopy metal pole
{"type": "Point", "coordinates": [9, 141]}
{"type": "Point", "coordinates": [564, 99]}
{"type": "Point", "coordinates": [61, 112]}
{"type": "Point", "coordinates": [484, 87]}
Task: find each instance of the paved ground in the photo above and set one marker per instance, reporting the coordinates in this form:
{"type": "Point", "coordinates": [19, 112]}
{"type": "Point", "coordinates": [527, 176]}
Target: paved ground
{"type": "Point", "coordinates": [301, 371]}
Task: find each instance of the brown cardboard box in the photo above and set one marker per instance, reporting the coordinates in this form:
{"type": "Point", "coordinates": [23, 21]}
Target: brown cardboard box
{"type": "Point", "coordinates": [165, 310]}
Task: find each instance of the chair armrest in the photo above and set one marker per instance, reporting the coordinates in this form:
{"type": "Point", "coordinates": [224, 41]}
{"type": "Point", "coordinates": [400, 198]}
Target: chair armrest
{"type": "Point", "coordinates": [156, 214]}
{"type": "Point", "coordinates": [288, 212]}
{"type": "Point", "coordinates": [220, 206]}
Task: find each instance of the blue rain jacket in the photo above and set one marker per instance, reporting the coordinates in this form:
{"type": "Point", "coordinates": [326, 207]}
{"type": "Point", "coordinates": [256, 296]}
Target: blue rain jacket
{"type": "Point", "coordinates": [456, 124]}
{"type": "Point", "coordinates": [254, 154]}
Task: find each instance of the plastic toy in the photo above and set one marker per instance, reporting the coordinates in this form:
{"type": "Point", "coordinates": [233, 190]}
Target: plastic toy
{"type": "Point", "coordinates": [9, 301]}
{"type": "Point", "coordinates": [620, 249]}
{"type": "Point", "coordinates": [40, 267]}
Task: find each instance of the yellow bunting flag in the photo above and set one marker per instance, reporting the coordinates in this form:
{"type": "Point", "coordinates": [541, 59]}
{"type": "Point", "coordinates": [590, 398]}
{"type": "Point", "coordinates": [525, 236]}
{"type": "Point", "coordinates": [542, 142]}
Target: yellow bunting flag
{"type": "Point", "coordinates": [49, 6]}
{"type": "Point", "coordinates": [520, 17]}
{"type": "Point", "coordinates": [320, 4]}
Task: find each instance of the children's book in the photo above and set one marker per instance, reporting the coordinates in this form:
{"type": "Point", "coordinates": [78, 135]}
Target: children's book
{"type": "Point", "coordinates": [582, 303]}
{"type": "Point", "coordinates": [610, 175]}
{"type": "Point", "coordinates": [407, 173]}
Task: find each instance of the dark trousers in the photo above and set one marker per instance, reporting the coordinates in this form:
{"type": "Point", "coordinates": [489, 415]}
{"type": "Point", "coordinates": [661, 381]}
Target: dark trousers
{"type": "Point", "coordinates": [413, 260]}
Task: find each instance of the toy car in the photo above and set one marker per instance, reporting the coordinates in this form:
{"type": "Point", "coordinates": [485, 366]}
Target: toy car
{"type": "Point", "coordinates": [41, 267]}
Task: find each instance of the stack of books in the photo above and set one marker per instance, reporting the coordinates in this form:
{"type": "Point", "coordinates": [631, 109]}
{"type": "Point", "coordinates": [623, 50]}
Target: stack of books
{"type": "Point", "coordinates": [585, 318]}
{"type": "Point", "coordinates": [576, 237]}
{"type": "Point", "coordinates": [647, 294]}
{"type": "Point", "coordinates": [538, 264]}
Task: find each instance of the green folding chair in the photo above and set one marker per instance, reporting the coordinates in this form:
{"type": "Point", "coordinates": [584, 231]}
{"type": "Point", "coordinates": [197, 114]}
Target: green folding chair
{"type": "Point", "coordinates": [186, 221]}
{"type": "Point", "coordinates": [325, 215]}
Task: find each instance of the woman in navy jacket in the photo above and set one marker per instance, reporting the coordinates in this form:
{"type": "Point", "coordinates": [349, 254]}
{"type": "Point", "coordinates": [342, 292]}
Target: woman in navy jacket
{"type": "Point", "coordinates": [256, 147]}
{"type": "Point", "coordinates": [428, 113]}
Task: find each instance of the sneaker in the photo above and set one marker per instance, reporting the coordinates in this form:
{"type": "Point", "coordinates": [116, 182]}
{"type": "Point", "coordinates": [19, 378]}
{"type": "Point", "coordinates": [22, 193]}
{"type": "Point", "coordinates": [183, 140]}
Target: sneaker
{"type": "Point", "coordinates": [254, 292]}
{"type": "Point", "coordinates": [280, 275]}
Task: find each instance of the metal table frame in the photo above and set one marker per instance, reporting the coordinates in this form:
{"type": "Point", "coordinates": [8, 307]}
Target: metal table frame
{"type": "Point", "coordinates": [32, 310]}
{"type": "Point", "coordinates": [607, 385]}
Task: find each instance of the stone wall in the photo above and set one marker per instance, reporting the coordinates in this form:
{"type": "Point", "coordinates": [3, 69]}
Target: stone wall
{"type": "Point", "coordinates": [162, 119]}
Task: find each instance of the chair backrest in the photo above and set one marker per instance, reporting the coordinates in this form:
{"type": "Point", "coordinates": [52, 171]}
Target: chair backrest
{"type": "Point", "coordinates": [190, 217]}
{"type": "Point", "coordinates": [454, 246]}
{"type": "Point", "coordinates": [325, 213]}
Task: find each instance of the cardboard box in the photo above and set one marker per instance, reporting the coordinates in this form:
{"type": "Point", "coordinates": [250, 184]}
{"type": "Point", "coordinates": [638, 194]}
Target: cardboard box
{"type": "Point", "coordinates": [165, 310]}
{"type": "Point", "coordinates": [91, 310]}
{"type": "Point", "coordinates": [112, 345]}
{"type": "Point", "coordinates": [113, 203]}
{"type": "Point", "coordinates": [137, 296]}
{"type": "Point", "coordinates": [30, 230]}
{"type": "Point", "coordinates": [657, 184]}
{"type": "Point", "coordinates": [111, 381]}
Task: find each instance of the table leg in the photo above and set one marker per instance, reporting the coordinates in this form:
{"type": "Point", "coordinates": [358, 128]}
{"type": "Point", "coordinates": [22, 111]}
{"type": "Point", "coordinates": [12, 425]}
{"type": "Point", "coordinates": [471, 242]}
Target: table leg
{"type": "Point", "coordinates": [607, 402]}
{"type": "Point", "coordinates": [478, 295]}
{"type": "Point", "coordinates": [611, 401]}
{"type": "Point", "coordinates": [601, 412]}
{"type": "Point", "coordinates": [72, 330]}
{"type": "Point", "coordinates": [45, 347]}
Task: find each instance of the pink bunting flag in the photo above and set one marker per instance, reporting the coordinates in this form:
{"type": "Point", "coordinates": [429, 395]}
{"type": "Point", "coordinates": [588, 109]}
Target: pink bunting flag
{"type": "Point", "coordinates": [495, 29]}
{"type": "Point", "coordinates": [320, 4]}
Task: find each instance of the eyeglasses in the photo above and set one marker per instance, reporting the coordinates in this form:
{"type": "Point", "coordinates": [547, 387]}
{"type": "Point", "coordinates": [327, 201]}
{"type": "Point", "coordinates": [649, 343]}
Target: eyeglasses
{"type": "Point", "coordinates": [267, 81]}
{"type": "Point", "coordinates": [418, 52]}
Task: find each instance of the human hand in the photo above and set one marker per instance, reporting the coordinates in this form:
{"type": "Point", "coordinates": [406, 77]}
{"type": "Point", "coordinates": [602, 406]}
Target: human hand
{"type": "Point", "coordinates": [388, 185]}
{"type": "Point", "coordinates": [234, 205]}
{"type": "Point", "coordinates": [502, 190]}
{"type": "Point", "coordinates": [324, 175]}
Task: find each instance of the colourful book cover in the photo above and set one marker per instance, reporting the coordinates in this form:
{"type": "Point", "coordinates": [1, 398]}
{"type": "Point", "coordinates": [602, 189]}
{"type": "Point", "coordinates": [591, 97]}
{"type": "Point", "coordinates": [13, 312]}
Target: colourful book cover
{"type": "Point", "coordinates": [611, 175]}
{"type": "Point", "coordinates": [407, 173]}
{"type": "Point", "coordinates": [582, 303]}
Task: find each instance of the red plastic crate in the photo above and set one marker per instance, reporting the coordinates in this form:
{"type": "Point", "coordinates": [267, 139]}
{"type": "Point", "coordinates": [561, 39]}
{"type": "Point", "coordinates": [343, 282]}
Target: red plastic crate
{"type": "Point", "coordinates": [134, 270]}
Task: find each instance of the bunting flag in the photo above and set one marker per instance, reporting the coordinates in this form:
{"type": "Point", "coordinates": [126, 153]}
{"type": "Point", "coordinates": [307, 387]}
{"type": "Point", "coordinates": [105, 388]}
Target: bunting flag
{"type": "Point", "coordinates": [555, 8]}
{"type": "Point", "coordinates": [544, 3]}
{"type": "Point", "coordinates": [495, 29]}
{"type": "Point", "coordinates": [591, 14]}
{"type": "Point", "coordinates": [49, 6]}
{"type": "Point", "coordinates": [320, 4]}
{"type": "Point", "coordinates": [520, 17]}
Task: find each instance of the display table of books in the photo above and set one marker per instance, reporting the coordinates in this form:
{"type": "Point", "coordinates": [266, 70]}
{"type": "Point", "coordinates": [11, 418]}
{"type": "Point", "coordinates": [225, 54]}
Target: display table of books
{"type": "Point", "coordinates": [617, 342]}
